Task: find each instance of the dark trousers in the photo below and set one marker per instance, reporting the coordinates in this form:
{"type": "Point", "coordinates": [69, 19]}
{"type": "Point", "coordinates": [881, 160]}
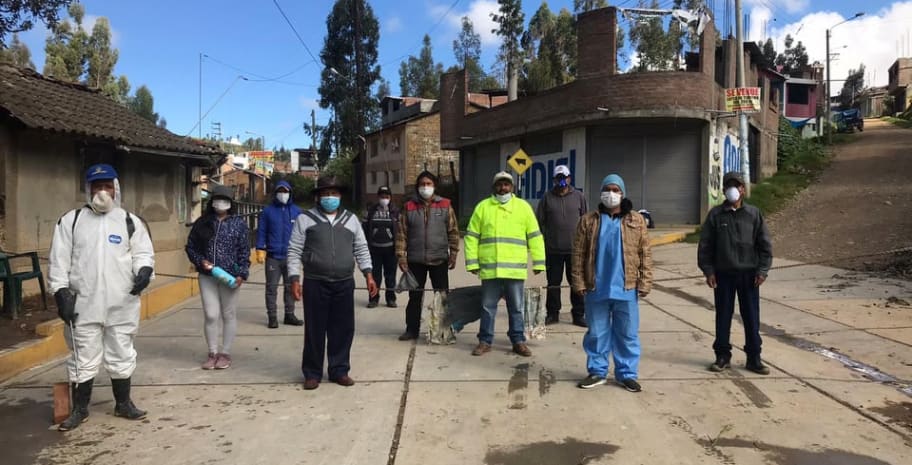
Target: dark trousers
{"type": "Point", "coordinates": [277, 270]}
{"type": "Point", "coordinates": [440, 280]}
{"type": "Point", "coordinates": [329, 327]}
{"type": "Point", "coordinates": [742, 284]}
{"type": "Point", "coordinates": [556, 265]}
{"type": "Point", "coordinates": [384, 263]}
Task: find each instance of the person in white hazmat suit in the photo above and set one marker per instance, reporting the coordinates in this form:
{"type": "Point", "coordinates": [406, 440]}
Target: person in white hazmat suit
{"type": "Point", "coordinates": [101, 260]}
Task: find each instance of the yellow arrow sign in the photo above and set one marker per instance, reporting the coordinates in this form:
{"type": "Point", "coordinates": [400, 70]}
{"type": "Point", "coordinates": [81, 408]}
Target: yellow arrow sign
{"type": "Point", "coordinates": [520, 161]}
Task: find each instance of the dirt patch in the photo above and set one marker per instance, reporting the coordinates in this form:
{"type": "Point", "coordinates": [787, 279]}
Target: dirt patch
{"type": "Point", "coordinates": [31, 314]}
{"type": "Point", "coordinates": [791, 456]}
{"type": "Point", "coordinates": [569, 452]}
{"type": "Point", "coordinates": [898, 412]}
{"type": "Point", "coordinates": [24, 430]}
{"type": "Point", "coordinates": [860, 205]}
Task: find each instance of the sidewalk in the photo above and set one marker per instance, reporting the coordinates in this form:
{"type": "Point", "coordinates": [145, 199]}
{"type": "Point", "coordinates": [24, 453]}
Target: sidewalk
{"type": "Point", "coordinates": [826, 332]}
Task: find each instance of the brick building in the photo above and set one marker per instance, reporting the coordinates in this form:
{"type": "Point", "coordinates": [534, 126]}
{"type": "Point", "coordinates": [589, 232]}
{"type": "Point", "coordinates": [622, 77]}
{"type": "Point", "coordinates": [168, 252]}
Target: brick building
{"type": "Point", "coordinates": [666, 133]}
{"type": "Point", "coordinates": [900, 86]}
{"type": "Point", "coordinates": [407, 144]}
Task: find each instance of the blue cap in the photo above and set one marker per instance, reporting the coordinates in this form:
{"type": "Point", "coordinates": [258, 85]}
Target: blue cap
{"type": "Point", "coordinates": [616, 180]}
{"type": "Point", "coordinates": [99, 172]}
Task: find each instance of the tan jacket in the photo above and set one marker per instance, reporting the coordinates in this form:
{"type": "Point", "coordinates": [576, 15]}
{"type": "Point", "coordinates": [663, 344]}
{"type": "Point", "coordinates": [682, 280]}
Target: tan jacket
{"type": "Point", "coordinates": [634, 242]}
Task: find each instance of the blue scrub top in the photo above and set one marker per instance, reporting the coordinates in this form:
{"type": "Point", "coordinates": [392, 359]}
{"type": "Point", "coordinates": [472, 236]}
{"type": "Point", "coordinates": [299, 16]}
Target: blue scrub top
{"type": "Point", "coordinates": [609, 263]}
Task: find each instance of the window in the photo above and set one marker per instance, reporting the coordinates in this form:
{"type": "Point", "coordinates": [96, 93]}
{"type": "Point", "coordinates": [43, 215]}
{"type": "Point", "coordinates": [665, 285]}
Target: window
{"type": "Point", "coordinates": [798, 95]}
{"type": "Point", "coordinates": [374, 149]}
{"type": "Point", "coordinates": [373, 177]}
{"type": "Point", "coordinates": [396, 178]}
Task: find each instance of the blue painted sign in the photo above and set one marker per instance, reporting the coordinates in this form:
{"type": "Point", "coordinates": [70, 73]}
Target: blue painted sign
{"type": "Point", "coordinates": [537, 180]}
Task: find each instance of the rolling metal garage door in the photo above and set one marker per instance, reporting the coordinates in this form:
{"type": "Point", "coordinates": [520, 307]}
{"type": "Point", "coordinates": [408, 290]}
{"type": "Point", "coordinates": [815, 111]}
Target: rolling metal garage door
{"type": "Point", "coordinates": [661, 170]}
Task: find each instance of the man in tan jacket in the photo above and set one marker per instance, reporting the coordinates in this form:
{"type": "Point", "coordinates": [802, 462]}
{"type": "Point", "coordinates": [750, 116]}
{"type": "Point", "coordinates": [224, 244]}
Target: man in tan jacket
{"type": "Point", "coordinates": [612, 269]}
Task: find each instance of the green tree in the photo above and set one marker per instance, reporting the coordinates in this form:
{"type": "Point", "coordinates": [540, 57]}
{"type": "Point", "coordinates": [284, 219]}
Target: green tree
{"type": "Point", "coordinates": [467, 50]}
{"type": "Point", "coordinates": [383, 90]}
{"type": "Point", "coordinates": [66, 48]}
{"type": "Point", "coordinates": [101, 56]}
{"type": "Point", "coordinates": [17, 54]}
{"type": "Point", "coordinates": [655, 49]}
{"type": "Point", "coordinates": [852, 88]}
{"type": "Point", "coordinates": [20, 15]}
{"type": "Point", "coordinates": [420, 76]}
{"type": "Point", "coordinates": [143, 104]}
{"type": "Point", "coordinates": [582, 6]}
{"type": "Point", "coordinates": [510, 21]}
{"type": "Point", "coordinates": [350, 58]}
{"type": "Point", "coordinates": [793, 60]}
{"type": "Point", "coordinates": [769, 51]}
{"type": "Point", "coordinates": [118, 89]}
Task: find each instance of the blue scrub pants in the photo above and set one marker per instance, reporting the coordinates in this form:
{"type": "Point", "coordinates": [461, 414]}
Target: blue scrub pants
{"type": "Point", "coordinates": [613, 328]}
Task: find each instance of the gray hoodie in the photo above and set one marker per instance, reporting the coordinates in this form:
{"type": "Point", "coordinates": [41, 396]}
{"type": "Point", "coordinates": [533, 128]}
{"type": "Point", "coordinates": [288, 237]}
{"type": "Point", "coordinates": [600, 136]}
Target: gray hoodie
{"type": "Point", "coordinates": [557, 217]}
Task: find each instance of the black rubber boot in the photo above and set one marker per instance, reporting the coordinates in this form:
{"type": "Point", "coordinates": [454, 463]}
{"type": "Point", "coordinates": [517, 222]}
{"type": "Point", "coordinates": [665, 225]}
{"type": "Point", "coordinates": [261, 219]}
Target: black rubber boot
{"type": "Point", "coordinates": [273, 322]}
{"type": "Point", "coordinates": [124, 406]}
{"type": "Point", "coordinates": [292, 320]}
{"type": "Point", "coordinates": [82, 394]}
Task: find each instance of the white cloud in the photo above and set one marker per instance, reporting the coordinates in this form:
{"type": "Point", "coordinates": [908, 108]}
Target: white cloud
{"type": "Point", "coordinates": [393, 24]}
{"type": "Point", "coordinates": [871, 39]}
{"type": "Point", "coordinates": [479, 12]}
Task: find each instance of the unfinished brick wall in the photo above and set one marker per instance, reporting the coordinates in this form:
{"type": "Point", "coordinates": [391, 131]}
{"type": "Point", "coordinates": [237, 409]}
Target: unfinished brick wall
{"type": "Point", "coordinates": [423, 151]}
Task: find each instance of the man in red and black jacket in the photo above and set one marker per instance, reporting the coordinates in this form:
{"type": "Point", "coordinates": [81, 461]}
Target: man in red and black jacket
{"type": "Point", "coordinates": [427, 242]}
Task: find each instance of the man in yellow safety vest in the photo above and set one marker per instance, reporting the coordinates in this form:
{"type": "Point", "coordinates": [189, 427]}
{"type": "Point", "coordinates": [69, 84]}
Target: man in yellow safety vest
{"type": "Point", "coordinates": [502, 232]}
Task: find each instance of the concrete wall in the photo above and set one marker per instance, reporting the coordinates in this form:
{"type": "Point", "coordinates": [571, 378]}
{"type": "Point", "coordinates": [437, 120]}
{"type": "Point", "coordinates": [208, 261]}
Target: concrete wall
{"type": "Point", "coordinates": [44, 178]}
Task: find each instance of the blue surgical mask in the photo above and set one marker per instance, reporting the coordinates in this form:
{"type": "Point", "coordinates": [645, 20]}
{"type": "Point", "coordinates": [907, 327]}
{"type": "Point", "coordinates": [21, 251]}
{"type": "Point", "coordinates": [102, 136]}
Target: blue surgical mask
{"type": "Point", "coordinates": [562, 182]}
{"type": "Point", "coordinates": [330, 204]}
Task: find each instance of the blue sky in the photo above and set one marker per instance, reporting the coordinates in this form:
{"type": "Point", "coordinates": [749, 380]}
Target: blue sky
{"type": "Point", "coordinates": [160, 42]}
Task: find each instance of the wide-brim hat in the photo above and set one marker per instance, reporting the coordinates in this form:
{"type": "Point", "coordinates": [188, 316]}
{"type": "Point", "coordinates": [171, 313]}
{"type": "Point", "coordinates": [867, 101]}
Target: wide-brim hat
{"type": "Point", "coordinates": [328, 182]}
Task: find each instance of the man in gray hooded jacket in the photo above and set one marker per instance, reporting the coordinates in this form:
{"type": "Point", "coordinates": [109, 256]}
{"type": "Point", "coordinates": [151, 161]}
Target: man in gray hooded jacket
{"type": "Point", "coordinates": [558, 213]}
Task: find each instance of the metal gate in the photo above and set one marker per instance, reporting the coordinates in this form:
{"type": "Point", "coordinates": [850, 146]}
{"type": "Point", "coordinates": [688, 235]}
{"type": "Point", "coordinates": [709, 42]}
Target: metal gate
{"type": "Point", "coordinates": [661, 170]}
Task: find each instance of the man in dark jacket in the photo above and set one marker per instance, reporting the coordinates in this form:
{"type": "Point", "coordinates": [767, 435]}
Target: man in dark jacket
{"type": "Point", "coordinates": [273, 234]}
{"type": "Point", "coordinates": [380, 226]}
{"type": "Point", "coordinates": [558, 213]}
{"type": "Point", "coordinates": [735, 255]}
{"type": "Point", "coordinates": [427, 243]}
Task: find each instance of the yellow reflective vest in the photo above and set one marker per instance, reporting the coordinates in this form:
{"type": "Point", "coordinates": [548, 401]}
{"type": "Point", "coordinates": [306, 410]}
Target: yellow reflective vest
{"type": "Point", "coordinates": [498, 238]}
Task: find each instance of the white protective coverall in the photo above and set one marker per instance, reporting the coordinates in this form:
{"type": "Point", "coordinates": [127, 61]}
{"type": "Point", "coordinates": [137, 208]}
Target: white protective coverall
{"type": "Point", "coordinates": [98, 260]}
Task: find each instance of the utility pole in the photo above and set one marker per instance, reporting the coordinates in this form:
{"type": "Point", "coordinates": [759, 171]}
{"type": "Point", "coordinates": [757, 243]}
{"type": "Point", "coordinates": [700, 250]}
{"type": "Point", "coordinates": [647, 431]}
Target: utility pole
{"type": "Point", "coordinates": [199, 116]}
{"type": "Point", "coordinates": [743, 131]}
{"type": "Point", "coordinates": [313, 146]}
{"type": "Point", "coordinates": [356, 88]}
{"type": "Point", "coordinates": [827, 128]}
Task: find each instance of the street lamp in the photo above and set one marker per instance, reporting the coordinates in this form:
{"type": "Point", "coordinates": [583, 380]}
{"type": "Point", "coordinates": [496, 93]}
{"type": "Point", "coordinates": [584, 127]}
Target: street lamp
{"type": "Point", "coordinates": [828, 106]}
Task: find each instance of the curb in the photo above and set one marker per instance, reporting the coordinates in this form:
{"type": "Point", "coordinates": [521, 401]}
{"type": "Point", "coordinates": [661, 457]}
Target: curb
{"type": "Point", "coordinates": [668, 238]}
{"type": "Point", "coordinates": [52, 345]}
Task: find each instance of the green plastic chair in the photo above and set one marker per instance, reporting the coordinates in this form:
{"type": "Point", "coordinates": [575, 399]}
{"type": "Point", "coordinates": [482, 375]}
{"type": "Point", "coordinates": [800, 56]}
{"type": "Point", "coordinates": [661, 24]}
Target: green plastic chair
{"type": "Point", "coordinates": [12, 282]}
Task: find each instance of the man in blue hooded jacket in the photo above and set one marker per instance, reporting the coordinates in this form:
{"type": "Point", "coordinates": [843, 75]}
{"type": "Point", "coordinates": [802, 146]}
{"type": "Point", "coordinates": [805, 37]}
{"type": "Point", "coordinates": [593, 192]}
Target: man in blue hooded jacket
{"type": "Point", "coordinates": [273, 234]}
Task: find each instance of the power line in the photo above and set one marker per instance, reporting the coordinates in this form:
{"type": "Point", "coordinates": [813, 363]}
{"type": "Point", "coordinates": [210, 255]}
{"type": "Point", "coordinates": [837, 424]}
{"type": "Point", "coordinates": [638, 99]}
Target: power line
{"type": "Point", "coordinates": [279, 7]}
{"type": "Point", "coordinates": [277, 79]}
{"type": "Point", "coordinates": [216, 103]}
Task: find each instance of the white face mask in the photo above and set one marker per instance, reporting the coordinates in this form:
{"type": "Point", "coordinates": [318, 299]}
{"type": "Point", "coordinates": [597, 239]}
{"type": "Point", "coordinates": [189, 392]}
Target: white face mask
{"type": "Point", "coordinates": [221, 205]}
{"type": "Point", "coordinates": [102, 202]}
{"type": "Point", "coordinates": [283, 197]}
{"type": "Point", "coordinates": [503, 198]}
{"type": "Point", "coordinates": [384, 202]}
{"type": "Point", "coordinates": [732, 194]}
{"type": "Point", "coordinates": [426, 192]}
{"type": "Point", "coordinates": [611, 199]}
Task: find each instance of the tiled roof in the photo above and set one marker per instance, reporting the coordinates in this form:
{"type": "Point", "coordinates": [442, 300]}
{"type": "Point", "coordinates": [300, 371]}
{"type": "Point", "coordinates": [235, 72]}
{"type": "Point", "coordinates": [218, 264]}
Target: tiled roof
{"type": "Point", "coordinates": [47, 104]}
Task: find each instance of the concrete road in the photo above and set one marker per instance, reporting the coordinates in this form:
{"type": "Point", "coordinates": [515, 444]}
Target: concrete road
{"type": "Point", "coordinates": [838, 344]}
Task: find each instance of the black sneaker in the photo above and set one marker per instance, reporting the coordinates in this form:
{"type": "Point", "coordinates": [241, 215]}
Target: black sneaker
{"type": "Point", "coordinates": [631, 385]}
{"type": "Point", "coordinates": [372, 304]}
{"type": "Point", "coordinates": [391, 304]}
{"type": "Point", "coordinates": [292, 320]}
{"type": "Point", "coordinates": [591, 381]}
{"type": "Point", "coordinates": [580, 321]}
{"type": "Point", "coordinates": [273, 323]}
{"type": "Point", "coordinates": [721, 364]}
{"type": "Point", "coordinates": [757, 366]}
{"type": "Point", "coordinates": [552, 319]}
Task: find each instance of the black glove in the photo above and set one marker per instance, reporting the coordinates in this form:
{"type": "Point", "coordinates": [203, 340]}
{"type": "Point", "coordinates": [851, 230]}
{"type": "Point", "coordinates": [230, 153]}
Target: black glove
{"type": "Point", "coordinates": [66, 305]}
{"type": "Point", "coordinates": [141, 281]}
